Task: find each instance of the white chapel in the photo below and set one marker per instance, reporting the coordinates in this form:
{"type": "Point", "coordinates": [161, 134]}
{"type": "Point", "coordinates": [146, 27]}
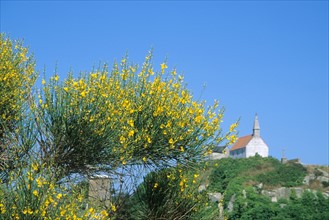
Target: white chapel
{"type": "Point", "coordinates": [250, 145]}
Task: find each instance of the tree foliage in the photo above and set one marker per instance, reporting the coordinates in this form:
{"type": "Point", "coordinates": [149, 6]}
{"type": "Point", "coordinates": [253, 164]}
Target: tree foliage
{"type": "Point", "coordinates": [111, 120]}
{"type": "Point", "coordinates": [33, 193]}
{"type": "Point", "coordinates": [16, 81]}
{"type": "Point", "coordinates": [17, 78]}
{"type": "Point", "coordinates": [126, 116]}
{"type": "Point", "coordinates": [172, 193]}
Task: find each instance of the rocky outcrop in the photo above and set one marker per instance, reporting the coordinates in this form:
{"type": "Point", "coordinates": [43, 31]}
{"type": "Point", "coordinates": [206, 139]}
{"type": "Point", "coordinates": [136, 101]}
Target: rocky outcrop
{"type": "Point", "coordinates": [314, 175]}
{"type": "Point", "coordinates": [308, 179]}
{"type": "Point", "coordinates": [282, 193]}
{"type": "Point", "coordinates": [317, 175]}
{"type": "Point", "coordinates": [231, 204]}
{"type": "Point", "coordinates": [202, 187]}
{"type": "Point", "coordinates": [315, 179]}
{"type": "Point", "coordinates": [285, 193]}
{"type": "Point", "coordinates": [215, 197]}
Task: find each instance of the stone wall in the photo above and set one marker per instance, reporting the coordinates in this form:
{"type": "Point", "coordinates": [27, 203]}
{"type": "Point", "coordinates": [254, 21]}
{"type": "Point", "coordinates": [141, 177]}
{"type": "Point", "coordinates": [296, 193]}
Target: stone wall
{"type": "Point", "coordinates": [217, 156]}
{"type": "Point", "coordinates": [282, 193]}
{"type": "Point", "coordinates": [99, 189]}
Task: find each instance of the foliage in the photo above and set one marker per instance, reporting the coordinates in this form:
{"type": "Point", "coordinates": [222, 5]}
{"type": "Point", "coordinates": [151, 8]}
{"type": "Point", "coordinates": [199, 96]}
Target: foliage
{"type": "Point", "coordinates": [268, 171]}
{"type": "Point", "coordinates": [32, 193]}
{"type": "Point", "coordinates": [288, 175]}
{"type": "Point", "coordinates": [309, 206]}
{"type": "Point", "coordinates": [118, 122]}
{"type": "Point", "coordinates": [107, 121]}
{"type": "Point", "coordinates": [29, 189]}
{"type": "Point", "coordinates": [160, 195]}
{"type": "Point", "coordinates": [125, 117]}
{"type": "Point", "coordinates": [252, 206]}
{"type": "Point", "coordinates": [228, 169]}
{"type": "Point", "coordinates": [17, 77]}
{"type": "Point", "coordinates": [172, 193]}
{"type": "Point", "coordinates": [238, 178]}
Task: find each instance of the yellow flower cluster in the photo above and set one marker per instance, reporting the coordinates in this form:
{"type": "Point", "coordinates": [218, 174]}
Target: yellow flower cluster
{"type": "Point", "coordinates": [128, 115]}
{"type": "Point", "coordinates": [179, 185]}
{"type": "Point", "coordinates": [35, 195]}
{"type": "Point", "coordinates": [2, 208]}
{"type": "Point", "coordinates": [141, 114]}
{"type": "Point", "coordinates": [17, 77]}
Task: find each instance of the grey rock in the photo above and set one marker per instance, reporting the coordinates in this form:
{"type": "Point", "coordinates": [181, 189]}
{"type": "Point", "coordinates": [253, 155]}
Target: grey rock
{"type": "Point", "coordinates": [306, 180]}
{"type": "Point", "coordinates": [283, 193]}
{"type": "Point", "coordinates": [324, 173]}
{"type": "Point", "coordinates": [268, 193]}
{"type": "Point", "coordinates": [221, 212]}
{"type": "Point", "coordinates": [231, 204]}
{"type": "Point", "coordinates": [215, 197]}
{"type": "Point", "coordinates": [323, 179]}
{"type": "Point", "coordinates": [201, 188]}
{"type": "Point", "coordinates": [276, 194]}
{"type": "Point", "coordinates": [298, 191]}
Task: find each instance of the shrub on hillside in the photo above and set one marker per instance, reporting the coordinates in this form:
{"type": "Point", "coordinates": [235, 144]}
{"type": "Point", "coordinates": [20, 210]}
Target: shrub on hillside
{"type": "Point", "coordinates": [32, 193]}
{"type": "Point", "coordinates": [170, 194]}
{"type": "Point", "coordinates": [287, 175]}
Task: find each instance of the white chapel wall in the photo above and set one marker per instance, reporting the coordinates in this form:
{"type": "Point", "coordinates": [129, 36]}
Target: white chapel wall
{"type": "Point", "coordinates": [256, 145]}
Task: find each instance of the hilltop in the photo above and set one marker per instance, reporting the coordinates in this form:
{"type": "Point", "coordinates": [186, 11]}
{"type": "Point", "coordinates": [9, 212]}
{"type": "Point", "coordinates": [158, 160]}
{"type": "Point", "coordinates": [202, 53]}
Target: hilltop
{"type": "Point", "coordinates": [269, 172]}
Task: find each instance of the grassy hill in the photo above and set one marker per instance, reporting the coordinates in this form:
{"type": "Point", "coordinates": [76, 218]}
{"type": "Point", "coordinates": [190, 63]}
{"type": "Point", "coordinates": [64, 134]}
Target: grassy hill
{"type": "Point", "coordinates": [232, 189]}
{"type": "Point", "coordinates": [255, 170]}
{"type": "Point", "coordinates": [246, 183]}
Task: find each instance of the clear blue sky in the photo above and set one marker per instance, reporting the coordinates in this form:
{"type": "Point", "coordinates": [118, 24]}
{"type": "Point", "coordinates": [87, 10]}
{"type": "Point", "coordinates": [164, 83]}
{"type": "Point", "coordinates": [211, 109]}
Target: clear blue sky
{"type": "Point", "coordinates": [266, 57]}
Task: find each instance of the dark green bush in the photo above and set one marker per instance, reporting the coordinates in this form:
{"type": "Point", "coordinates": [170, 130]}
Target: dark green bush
{"type": "Point", "coordinates": [287, 175]}
{"type": "Point", "coordinates": [170, 193]}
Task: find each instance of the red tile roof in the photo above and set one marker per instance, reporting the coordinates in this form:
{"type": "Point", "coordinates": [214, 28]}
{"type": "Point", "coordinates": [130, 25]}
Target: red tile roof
{"type": "Point", "coordinates": [241, 142]}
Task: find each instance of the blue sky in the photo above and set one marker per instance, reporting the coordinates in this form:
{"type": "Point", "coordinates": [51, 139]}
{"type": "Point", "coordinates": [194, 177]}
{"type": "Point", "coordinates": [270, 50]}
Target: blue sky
{"type": "Point", "coordinates": [269, 57]}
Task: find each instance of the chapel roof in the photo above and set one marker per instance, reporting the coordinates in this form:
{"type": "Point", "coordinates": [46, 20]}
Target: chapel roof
{"type": "Point", "coordinates": [242, 142]}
